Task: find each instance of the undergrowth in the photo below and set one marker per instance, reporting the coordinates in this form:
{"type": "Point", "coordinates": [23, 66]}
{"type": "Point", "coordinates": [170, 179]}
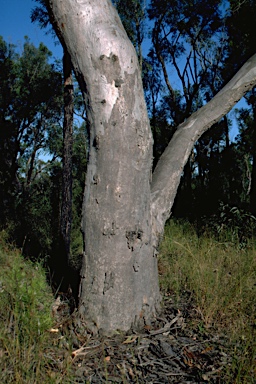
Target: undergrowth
{"type": "Point", "coordinates": [221, 278]}
{"type": "Point", "coordinates": [218, 274]}
{"type": "Point", "coordinates": [27, 351]}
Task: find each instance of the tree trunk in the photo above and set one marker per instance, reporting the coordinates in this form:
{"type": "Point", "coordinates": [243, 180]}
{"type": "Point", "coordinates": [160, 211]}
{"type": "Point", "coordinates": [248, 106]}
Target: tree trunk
{"type": "Point", "coordinates": [119, 277]}
{"type": "Point", "coordinates": [66, 207]}
{"type": "Point", "coordinates": [253, 173]}
{"type": "Point", "coordinates": [226, 131]}
{"type": "Point", "coordinates": [123, 211]}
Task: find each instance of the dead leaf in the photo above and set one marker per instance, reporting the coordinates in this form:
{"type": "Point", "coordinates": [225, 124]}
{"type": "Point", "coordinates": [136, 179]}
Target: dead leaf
{"type": "Point", "coordinates": [83, 351]}
{"type": "Point", "coordinates": [207, 350]}
{"type": "Point", "coordinates": [130, 339]}
{"type": "Point", "coordinates": [131, 372]}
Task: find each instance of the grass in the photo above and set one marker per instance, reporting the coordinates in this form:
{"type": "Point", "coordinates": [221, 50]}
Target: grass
{"type": "Point", "coordinates": [27, 350]}
{"type": "Point", "coordinates": [221, 278]}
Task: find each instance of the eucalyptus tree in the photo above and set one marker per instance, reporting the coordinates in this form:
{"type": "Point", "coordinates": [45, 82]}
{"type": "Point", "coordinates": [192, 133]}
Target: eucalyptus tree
{"type": "Point", "coordinates": [8, 166]}
{"type": "Point", "coordinates": [125, 207]}
{"type": "Point", "coordinates": [30, 110]}
{"type": "Point", "coordinates": [40, 15]}
{"type": "Point", "coordinates": [188, 39]}
{"type": "Point", "coordinates": [133, 16]}
{"type": "Point", "coordinates": [241, 30]}
{"type": "Point", "coordinates": [245, 148]}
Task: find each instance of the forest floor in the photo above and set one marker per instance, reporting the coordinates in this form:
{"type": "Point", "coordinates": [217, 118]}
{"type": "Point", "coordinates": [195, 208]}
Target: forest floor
{"type": "Point", "coordinates": [174, 349]}
{"type": "Point", "coordinates": [205, 333]}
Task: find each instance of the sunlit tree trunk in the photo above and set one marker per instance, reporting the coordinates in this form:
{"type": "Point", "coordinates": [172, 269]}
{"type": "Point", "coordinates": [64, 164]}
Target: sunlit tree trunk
{"type": "Point", "coordinates": [124, 209]}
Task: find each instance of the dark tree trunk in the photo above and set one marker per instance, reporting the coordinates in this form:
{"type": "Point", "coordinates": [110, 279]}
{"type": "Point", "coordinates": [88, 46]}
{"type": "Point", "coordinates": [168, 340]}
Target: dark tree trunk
{"type": "Point", "coordinates": [66, 208]}
{"type": "Point", "coordinates": [253, 177]}
{"type": "Point", "coordinates": [226, 131]}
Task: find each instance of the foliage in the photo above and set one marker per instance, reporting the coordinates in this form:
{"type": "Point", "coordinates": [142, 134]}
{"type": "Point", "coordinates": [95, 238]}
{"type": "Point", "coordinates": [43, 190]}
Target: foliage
{"type": "Point", "coordinates": [241, 31]}
{"type": "Point", "coordinates": [133, 16]}
{"type": "Point", "coordinates": [79, 171]}
{"type": "Point", "coordinates": [31, 149]}
{"type": "Point", "coordinates": [30, 108]}
{"type": "Point", "coordinates": [40, 14]}
{"type": "Point", "coordinates": [37, 214]}
{"type": "Point", "coordinates": [220, 278]}
{"type": "Point", "coordinates": [188, 37]}
{"type": "Point", "coordinates": [25, 320]}
{"type": "Point", "coordinates": [232, 224]}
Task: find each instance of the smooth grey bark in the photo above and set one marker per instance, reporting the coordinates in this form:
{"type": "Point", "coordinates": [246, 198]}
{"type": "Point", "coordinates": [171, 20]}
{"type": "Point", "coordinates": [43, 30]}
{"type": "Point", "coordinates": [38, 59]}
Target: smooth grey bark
{"type": "Point", "coordinates": [123, 212]}
{"type": "Point", "coordinates": [119, 278]}
{"type": "Point", "coordinates": [169, 169]}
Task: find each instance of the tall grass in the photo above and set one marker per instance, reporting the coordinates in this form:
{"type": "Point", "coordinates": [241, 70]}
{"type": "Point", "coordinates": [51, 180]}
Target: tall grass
{"type": "Point", "coordinates": [27, 352]}
{"type": "Point", "coordinates": [218, 275]}
{"type": "Point", "coordinates": [221, 278]}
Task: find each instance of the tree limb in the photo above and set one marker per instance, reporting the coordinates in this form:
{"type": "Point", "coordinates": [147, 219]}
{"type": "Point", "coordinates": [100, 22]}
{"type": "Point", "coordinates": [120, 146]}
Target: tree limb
{"type": "Point", "coordinates": [168, 171]}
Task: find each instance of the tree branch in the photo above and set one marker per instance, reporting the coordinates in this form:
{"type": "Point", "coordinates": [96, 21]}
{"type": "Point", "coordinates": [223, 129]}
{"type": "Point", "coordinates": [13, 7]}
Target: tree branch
{"type": "Point", "coordinates": [166, 176]}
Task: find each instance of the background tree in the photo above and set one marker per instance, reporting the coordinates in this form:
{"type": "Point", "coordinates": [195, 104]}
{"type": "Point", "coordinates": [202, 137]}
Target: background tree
{"type": "Point", "coordinates": [241, 30]}
{"type": "Point", "coordinates": [66, 210]}
{"type": "Point", "coordinates": [40, 15]}
{"type": "Point", "coordinates": [187, 37]}
{"type": "Point", "coordinates": [188, 41]}
{"type": "Point", "coordinates": [133, 16]}
{"type": "Point", "coordinates": [31, 129]}
{"type": "Point", "coordinates": [30, 112]}
{"type": "Point", "coordinates": [7, 130]}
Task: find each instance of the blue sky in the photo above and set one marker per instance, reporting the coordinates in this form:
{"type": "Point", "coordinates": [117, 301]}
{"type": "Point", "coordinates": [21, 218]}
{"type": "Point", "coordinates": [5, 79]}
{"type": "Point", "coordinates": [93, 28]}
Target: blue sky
{"type": "Point", "coordinates": [15, 24]}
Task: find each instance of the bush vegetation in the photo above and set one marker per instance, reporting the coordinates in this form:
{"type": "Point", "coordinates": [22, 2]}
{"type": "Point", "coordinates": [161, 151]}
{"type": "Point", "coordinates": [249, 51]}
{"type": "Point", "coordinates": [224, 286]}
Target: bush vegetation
{"type": "Point", "coordinates": [220, 276]}
{"type": "Point", "coordinates": [28, 349]}
{"type": "Point", "coordinates": [217, 274]}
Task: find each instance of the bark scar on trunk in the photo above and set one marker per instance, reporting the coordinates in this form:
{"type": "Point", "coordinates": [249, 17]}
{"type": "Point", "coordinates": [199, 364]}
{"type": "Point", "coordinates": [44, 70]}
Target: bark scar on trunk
{"type": "Point", "coordinates": [108, 282]}
{"type": "Point", "coordinates": [134, 238]}
{"type": "Point", "coordinates": [109, 229]}
{"type": "Point", "coordinates": [136, 266]}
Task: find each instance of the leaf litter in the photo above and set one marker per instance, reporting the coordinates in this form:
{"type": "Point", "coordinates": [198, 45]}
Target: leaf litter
{"type": "Point", "coordinates": [170, 350]}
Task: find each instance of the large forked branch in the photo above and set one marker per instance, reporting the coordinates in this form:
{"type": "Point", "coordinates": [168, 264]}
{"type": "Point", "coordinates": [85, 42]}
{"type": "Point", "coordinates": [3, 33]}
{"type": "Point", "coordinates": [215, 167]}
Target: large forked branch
{"type": "Point", "coordinates": [168, 171]}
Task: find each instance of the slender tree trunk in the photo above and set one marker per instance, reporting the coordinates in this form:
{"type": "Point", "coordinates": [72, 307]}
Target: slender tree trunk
{"type": "Point", "coordinates": [253, 175]}
{"type": "Point", "coordinates": [66, 208]}
{"type": "Point", "coordinates": [226, 131]}
{"type": "Point", "coordinates": [31, 166]}
{"type": "Point", "coordinates": [124, 212]}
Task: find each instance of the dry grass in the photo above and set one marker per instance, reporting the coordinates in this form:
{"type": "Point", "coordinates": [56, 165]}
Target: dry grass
{"type": "Point", "coordinates": [27, 350]}
{"type": "Point", "coordinates": [221, 278]}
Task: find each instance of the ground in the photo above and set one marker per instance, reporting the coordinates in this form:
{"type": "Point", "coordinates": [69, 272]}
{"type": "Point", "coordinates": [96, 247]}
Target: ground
{"type": "Point", "coordinates": [174, 349]}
